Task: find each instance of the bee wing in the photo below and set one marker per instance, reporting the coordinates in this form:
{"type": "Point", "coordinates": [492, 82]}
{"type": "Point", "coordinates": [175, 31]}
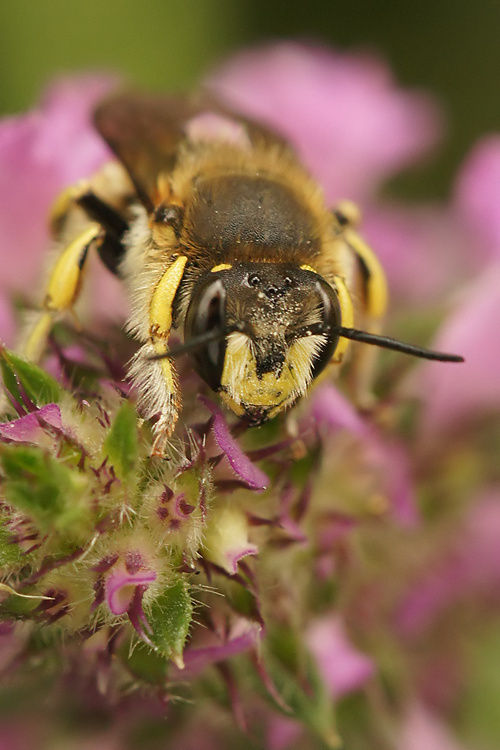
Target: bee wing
{"type": "Point", "coordinates": [145, 130]}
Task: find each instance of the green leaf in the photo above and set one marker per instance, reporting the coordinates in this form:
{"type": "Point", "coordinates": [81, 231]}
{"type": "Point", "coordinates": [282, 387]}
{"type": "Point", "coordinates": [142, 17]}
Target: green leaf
{"type": "Point", "coordinates": [40, 387]}
{"type": "Point", "coordinates": [44, 488]}
{"type": "Point", "coordinates": [10, 553]}
{"type": "Point", "coordinates": [170, 618]}
{"type": "Point", "coordinates": [311, 705]}
{"type": "Point", "coordinates": [122, 444]}
{"type": "Point", "coordinates": [480, 708]}
{"type": "Point", "coordinates": [10, 382]}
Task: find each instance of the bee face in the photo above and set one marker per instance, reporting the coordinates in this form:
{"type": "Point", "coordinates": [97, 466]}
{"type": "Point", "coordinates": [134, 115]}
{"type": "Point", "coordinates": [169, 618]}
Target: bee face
{"type": "Point", "coordinates": [278, 327]}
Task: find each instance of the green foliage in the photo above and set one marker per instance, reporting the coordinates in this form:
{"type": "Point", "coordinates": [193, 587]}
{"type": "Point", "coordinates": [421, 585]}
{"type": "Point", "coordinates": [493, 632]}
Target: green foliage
{"type": "Point", "coordinates": [40, 387]}
{"type": "Point", "coordinates": [297, 681]}
{"type": "Point", "coordinates": [49, 492]}
{"type": "Point", "coordinates": [170, 618]}
{"type": "Point", "coordinates": [121, 444]}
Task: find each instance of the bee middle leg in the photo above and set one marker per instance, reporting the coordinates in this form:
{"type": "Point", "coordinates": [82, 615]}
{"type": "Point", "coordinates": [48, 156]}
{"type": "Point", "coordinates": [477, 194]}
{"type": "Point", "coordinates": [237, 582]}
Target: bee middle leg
{"type": "Point", "coordinates": [374, 297]}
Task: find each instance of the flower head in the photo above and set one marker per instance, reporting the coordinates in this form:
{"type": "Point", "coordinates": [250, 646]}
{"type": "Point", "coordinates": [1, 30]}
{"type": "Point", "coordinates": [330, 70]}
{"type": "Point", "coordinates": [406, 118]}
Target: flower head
{"type": "Point", "coordinates": [306, 574]}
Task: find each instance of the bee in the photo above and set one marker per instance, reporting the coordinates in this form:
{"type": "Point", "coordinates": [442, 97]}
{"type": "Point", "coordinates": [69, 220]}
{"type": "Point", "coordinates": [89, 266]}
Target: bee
{"type": "Point", "coordinates": [219, 232]}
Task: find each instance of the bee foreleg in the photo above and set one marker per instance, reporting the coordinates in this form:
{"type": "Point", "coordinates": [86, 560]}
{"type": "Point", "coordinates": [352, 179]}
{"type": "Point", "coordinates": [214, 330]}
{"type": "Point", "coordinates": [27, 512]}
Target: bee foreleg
{"type": "Point", "coordinates": [156, 380]}
{"type": "Point", "coordinates": [111, 250]}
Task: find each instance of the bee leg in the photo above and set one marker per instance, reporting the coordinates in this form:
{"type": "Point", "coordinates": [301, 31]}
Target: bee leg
{"type": "Point", "coordinates": [62, 290]}
{"type": "Point", "coordinates": [156, 379]}
{"type": "Point", "coordinates": [111, 250]}
{"type": "Point", "coordinates": [374, 295]}
{"type": "Point", "coordinates": [104, 228]}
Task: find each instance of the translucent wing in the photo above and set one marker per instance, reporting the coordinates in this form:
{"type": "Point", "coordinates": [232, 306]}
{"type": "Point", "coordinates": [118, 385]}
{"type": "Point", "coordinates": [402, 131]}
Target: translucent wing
{"type": "Point", "coordinates": [145, 130]}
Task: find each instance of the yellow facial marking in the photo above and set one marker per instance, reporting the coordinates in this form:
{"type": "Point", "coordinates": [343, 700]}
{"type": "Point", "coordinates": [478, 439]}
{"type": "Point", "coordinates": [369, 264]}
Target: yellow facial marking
{"type": "Point", "coordinates": [242, 386]}
{"type": "Point", "coordinates": [160, 311]}
{"type": "Point", "coordinates": [305, 267]}
{"type": "Point", "coordinates": [221, 267]}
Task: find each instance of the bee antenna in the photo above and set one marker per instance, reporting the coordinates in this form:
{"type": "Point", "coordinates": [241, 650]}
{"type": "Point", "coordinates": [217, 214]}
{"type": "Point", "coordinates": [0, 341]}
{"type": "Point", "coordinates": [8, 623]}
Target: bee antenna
{"type": "Point", "coordinates": [398, 346]}
{"type": "Point", "coordinates": [194, 343]}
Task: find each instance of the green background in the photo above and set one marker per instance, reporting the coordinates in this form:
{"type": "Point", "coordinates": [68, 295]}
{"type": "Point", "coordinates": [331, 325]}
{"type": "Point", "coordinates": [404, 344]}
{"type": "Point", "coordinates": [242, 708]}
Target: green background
{"type": "Point", "coordinates": [450, 47]}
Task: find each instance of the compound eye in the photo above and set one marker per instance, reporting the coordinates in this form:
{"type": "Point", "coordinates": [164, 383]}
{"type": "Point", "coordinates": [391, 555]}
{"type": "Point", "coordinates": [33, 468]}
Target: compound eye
{"type": "Point", "coordinates": [206, 314]}
{"type": "Point", "coordinates": [331, 319]}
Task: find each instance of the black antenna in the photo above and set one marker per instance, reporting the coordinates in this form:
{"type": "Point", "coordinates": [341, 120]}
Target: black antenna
{"type": "Point", "coordinates": [194, 343]}
{"type": "Point", "coordinates": [198, 342]}
{"type": "Point", "coordinates": [398, 346]}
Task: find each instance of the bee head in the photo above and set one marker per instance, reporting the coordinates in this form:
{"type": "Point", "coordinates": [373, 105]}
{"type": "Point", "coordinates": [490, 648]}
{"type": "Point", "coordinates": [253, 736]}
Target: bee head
{"type": "Point", "coordinates": [278, 326]}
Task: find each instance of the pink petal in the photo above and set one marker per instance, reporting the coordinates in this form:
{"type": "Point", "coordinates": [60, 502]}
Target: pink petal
{"type": "Point", "coordinates": [250, 474]}
{"type": "Point", "coordinates": [343, 112]}
{"type": "Point", "coordinates": [244, 636]}
{"type": "Point", "coordinates": [387, 458]}
{"type": "Point", "coordinates": [343, 668]}
{"type": "Point", "coordinates": [40, 153]}
{"type": "Point", "coordinates": [477, 197]}
{"type": "Point", "coordinates": [121, 585]}
{"type": "Point", "coordinates": [283, 732]}
{"type": "Point", "coordinates": [467, 565]}
{"type": "Point", "coordinates": [423, 731]}
{"type": "Point", "coordinates": [332, 409]}
{"type": "Point", "coordinates": [28, 428]}
{"type": "Point", "coordinates": [452, 393]}
{"type": "Point", "coordinates": [423, 249]}
{"type": "Point", "coordinates": [7, 321]}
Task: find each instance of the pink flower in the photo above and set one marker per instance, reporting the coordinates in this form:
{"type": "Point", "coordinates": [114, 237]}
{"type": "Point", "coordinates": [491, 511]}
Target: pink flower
{"type": "Point", "coordinates": [423, 249]}
{"type": "Point", "coordinates": [343, 668]}
{"type": "Point", "coordinates": [122, 581]}
{"type": "Point", "coordinates": [7, 322]}
{"type": "Point", "coordinates": [30, 427]}
{"type": "Point", "coordinates": [41, 153]}
{"type": "Point", "coordinates": [467, 566]}
{"type": "Point", "coordinates": [226, 539]}
{"type": "Point", "coordinates": [386, 458]}
{"type": "Point", "coordinates": [422, 730]}
{"type": "Point", "coordinates": [213, 647]}
{"type": "Point", "coordinates": [250, 474]}
{"type": "Point", "coordinates": [477, 197]}
{"type": "Point", "coordinates": [343, 112]}
{"type": "Point", "coordinates": [453, 393]}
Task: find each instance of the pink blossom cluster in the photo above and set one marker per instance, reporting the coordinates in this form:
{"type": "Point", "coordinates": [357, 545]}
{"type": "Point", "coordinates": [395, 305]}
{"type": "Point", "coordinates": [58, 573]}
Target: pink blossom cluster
{"type": "Point", "coordinates": [396, 526]}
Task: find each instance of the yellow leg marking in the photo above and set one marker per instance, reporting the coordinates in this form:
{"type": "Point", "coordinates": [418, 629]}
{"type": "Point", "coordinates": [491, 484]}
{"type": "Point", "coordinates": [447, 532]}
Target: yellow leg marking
{"type": "Point", "coordinates": [62, 291]}
{"type": "Point", "coordinates": [34, 345]}
{"type": "Point", "coordinates": [65, 278]}
{"type": "Point", "coordinates": [160, 311]}
{"type": "Point", "coordinates": [64, 201]}
{"type": "Point", "coordinates": [376, 283]}
{"type": "Point", "coordinates": [347, 312]}
{"type": "Point", "coordinates": [160, 323]}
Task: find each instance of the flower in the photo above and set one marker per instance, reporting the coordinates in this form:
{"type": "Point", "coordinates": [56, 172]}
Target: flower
{"type": "Point", "coordinates": [343, 668]}
{"type": "Point", "coordinates": [305, 576]}
{"type": "Point", "coordinates": [350, 124]}
{"type": "Point", "coordinates": [42, 153]}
